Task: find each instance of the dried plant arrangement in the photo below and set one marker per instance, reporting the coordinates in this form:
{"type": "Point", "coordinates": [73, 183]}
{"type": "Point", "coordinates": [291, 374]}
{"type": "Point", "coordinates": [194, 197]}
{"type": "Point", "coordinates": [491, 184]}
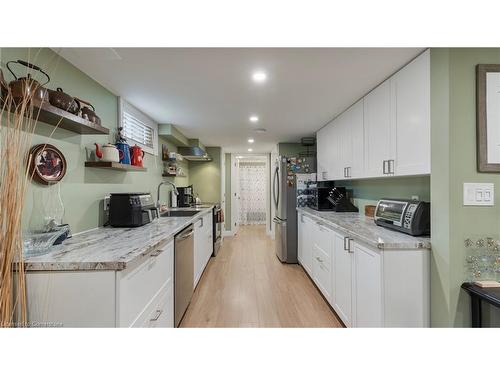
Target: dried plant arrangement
{"type": "Point", "coordinates": [18, 120]}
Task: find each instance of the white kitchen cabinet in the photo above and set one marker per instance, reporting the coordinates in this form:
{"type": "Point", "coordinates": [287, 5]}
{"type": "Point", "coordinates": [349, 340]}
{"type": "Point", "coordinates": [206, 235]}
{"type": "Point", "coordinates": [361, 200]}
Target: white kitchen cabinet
{"type": "Point", "coordinates": [352, 142]}
{"type": "Point", "coordinates": [340, 146]}
{"type": "Point", "coordinates": [342, 278]}
{"type": "Point", "coordinates": [305, 243]}
{"type": "Point", "coordinates": [321, 259]}
{"type": "Point", "coordinates": [369, 287]}
{"type": "Point", "coordinates": [411, 91]}
{"type": "Point", "coordinates": [137, 286]}
{"type": "Point", "coordinates": [203, 245]}
{"type": "Point", "coordinates": [141, 295]}
{"type": "Point", "coordinates": [378, 131]}
{"type": "Point", "coordinates": [368, 283]}
{"type": "Point", "coordinates": [327, 152]}
{"type": "Point", "coordinates": [300, 237]}
{"type": "Point", "coordinates": [323, 160]}
{"type": "Point", "coordinates": [387, 133]}
{"type": "Point", "coordinates": [158, 313]}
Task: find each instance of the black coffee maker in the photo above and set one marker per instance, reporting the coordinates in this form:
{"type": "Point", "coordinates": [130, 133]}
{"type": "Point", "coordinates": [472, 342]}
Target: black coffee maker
{"type": "Point", "coordinates": [340, 199]}
{"type": "Point", "coordinates": [185, 197]}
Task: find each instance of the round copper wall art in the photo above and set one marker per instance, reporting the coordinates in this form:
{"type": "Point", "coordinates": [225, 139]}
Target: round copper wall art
{"type": "Point", "coordinates": [47, 164]}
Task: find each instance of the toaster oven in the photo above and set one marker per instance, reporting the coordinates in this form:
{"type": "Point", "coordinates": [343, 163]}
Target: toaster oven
{"type": "Point", "coordinates": [404, 215]}
{"type": "Point", "coordinates": [131, 209]}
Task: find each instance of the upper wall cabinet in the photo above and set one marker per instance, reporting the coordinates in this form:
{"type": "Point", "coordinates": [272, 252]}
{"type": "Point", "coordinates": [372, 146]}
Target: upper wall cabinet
{"type": "Point", "coordinates": [353, 142]}
{"type": "Point", "coordinates": [341, 146]}
{"type": "Point", "coordinates": [411, 92]}
{"type": "Point", "coordinates": [378, 131]}
{"type": "Point", "coordinates": [387, 133]}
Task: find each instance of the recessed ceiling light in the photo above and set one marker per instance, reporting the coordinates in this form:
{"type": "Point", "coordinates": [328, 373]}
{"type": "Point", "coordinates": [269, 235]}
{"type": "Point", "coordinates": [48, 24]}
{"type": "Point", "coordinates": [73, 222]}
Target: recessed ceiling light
{"type": "Point", "coordinates": [250, 150]}
{"type": "Point", "coordinates": [260, 130]}
{"type": "Point", "coordinates": [259, 76]}
{"type": "Point", "coordinates": [251, 140]}
{"type": "Point", "coordinates": [253, 119]}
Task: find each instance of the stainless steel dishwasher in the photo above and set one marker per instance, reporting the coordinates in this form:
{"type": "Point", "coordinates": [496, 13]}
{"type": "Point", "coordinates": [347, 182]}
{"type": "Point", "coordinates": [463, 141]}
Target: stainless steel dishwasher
{"type": "Point", "coordinates": [183, 272]}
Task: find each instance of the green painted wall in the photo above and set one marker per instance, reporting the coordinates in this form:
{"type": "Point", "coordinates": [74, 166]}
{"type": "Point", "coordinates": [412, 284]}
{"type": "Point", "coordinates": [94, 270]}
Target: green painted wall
{"type": "Point", "coordinates": [82, 189]}
{"type": "Point", "coordinates": [369, 191]}
{"type": "Point", "coordinates": [227, 213]}
{"type": "Point", "coordinates": [453, 115]}
{"type": "Point", "coordinates": [206, 176]}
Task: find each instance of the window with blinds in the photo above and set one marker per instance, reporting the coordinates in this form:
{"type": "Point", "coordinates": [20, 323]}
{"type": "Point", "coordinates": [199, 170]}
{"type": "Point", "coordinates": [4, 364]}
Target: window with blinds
{"type": "Point", "coordinates": [139, 128]}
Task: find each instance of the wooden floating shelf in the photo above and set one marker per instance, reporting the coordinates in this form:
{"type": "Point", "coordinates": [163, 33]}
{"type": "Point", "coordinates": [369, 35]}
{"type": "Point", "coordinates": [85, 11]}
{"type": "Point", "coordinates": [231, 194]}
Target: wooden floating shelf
{"type": "Point", "coordinates": [51, 115]}
{"type": "Point", "coordinates": [173, 175]}
{"type": "Point", "coordinates": [115, 166]}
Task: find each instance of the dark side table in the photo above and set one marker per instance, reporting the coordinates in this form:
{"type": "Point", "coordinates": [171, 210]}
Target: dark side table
{"type": "Point", "coordinates": [477, 295]}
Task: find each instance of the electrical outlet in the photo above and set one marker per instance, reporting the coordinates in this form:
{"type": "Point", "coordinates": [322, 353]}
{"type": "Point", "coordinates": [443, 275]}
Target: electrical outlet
{"type": "Point", "coordinates": [479, 194]}
{"type": "Point", "coordinates": [414, 197]}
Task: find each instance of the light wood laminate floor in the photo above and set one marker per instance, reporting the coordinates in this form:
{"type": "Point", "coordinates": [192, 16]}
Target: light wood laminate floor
{"type": "Point", "coordinates": [247, 286]}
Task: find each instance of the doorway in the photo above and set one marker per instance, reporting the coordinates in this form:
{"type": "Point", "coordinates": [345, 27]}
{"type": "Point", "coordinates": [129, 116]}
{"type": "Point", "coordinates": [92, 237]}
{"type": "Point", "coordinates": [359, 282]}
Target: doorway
{"type": "Point", "coordinates": [250, 184]}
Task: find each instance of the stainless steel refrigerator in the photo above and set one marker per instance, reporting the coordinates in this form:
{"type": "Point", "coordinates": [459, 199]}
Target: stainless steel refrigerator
{"type": "Point", "coordinates": [284, 190]}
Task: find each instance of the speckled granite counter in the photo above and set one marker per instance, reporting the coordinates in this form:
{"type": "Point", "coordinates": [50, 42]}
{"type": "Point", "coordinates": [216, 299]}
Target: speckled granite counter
{"type": "Point", "coordinates": [364, 229]}
{"type": "Point", "coordinates": [110, 248]}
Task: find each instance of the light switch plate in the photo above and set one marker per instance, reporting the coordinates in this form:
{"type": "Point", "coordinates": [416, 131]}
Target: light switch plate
{"type": "Point", "coordinates": [479, 194]}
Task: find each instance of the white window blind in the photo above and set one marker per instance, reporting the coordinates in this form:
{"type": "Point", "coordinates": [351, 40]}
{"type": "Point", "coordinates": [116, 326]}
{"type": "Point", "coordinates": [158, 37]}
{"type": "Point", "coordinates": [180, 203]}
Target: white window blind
{"type": "Point", "coordinates": [139, 128]}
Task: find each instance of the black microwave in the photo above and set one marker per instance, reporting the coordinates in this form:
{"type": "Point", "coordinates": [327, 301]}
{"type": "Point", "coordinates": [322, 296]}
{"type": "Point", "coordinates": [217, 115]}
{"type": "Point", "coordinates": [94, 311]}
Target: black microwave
{"type": "Point", "coordinates": [320, 200]}
{"type": "Point", "coordinates": [404, 215]}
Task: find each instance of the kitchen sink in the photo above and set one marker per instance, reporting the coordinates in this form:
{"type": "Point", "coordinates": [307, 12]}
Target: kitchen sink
{"type": "Point", "coordinates": [180, 213]}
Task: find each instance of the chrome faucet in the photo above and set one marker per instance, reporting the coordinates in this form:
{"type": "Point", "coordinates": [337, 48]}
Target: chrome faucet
{"type": "Point", "coordinates": [176, 192]}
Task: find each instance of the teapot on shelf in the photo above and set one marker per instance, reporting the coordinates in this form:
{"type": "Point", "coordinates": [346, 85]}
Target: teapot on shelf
{"type": "Point", "coordinates": [121, 144]}
{"type": "Point", "coordinates": [137, 156]}
{"type": "Point", "coordinates": [124, 148]}
{"type": "Point", "coordinates": [109, 153]}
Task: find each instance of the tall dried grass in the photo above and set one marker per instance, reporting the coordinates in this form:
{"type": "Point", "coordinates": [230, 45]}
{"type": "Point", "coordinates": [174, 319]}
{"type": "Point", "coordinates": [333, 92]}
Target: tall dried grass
{"type": "Point", "coordinates": [17, 123]}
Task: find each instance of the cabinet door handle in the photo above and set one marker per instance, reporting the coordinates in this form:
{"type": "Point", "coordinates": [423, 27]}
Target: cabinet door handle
{"type": "Point", "coordinates": [346, 243]}
{"type": "Point", "coordinates": [157, 316]}
{"type": "Point", "coordinates": [319, 259]}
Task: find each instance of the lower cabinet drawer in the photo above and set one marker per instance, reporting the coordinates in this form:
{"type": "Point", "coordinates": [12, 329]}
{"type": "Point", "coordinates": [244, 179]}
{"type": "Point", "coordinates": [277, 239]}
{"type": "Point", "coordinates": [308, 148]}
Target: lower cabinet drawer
{"type": "Point", "coordinates": [136, 287]}
{"type": "Point", "coordinates": [322, 274]}
{"type": "Point", "coordinates": [160, 312]}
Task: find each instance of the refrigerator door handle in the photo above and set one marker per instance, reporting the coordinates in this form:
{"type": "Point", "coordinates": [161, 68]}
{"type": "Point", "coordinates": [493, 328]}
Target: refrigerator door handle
{"type": "Point", "coordinates": [276, 190]}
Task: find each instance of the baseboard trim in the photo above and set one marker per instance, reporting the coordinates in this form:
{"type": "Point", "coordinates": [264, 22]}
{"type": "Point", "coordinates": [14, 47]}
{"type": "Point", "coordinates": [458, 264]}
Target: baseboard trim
{"type": "Point", "coordinates": [227, 233]}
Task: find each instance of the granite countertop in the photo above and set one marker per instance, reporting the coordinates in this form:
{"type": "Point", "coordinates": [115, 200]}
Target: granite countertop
{"type": "Point", "coordinates": [111, 248]}
{"type": "Point", "coordinates": [364, 229]}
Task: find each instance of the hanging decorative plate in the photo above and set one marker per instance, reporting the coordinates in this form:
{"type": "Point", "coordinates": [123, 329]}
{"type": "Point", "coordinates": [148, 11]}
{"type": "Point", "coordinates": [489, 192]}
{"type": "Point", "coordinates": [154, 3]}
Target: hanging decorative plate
{"type": "Point", "coordinates": [47, 164]}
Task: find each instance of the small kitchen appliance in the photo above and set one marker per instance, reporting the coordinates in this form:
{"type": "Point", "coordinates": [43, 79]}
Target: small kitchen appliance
{"type": "Point", "coordinates": [340, 199]}
{"type": "Point", "coordinates": [185, 197]}
{"type": "Point", "coordinates": [131, 209]}
{"type": "Point", "coordinates": [404, 215]}
{"type": "Point", "coordinates": [319, 194]}
{"type": "Point", "coordinates": [183, 272]}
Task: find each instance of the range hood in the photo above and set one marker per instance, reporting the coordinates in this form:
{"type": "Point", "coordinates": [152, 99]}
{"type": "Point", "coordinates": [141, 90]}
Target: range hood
{"type": "Point", "coordinates": [194, 153]}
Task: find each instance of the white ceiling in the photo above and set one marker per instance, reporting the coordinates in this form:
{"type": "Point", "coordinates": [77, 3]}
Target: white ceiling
{"type": "Point", "coordinates": [208, 93]}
